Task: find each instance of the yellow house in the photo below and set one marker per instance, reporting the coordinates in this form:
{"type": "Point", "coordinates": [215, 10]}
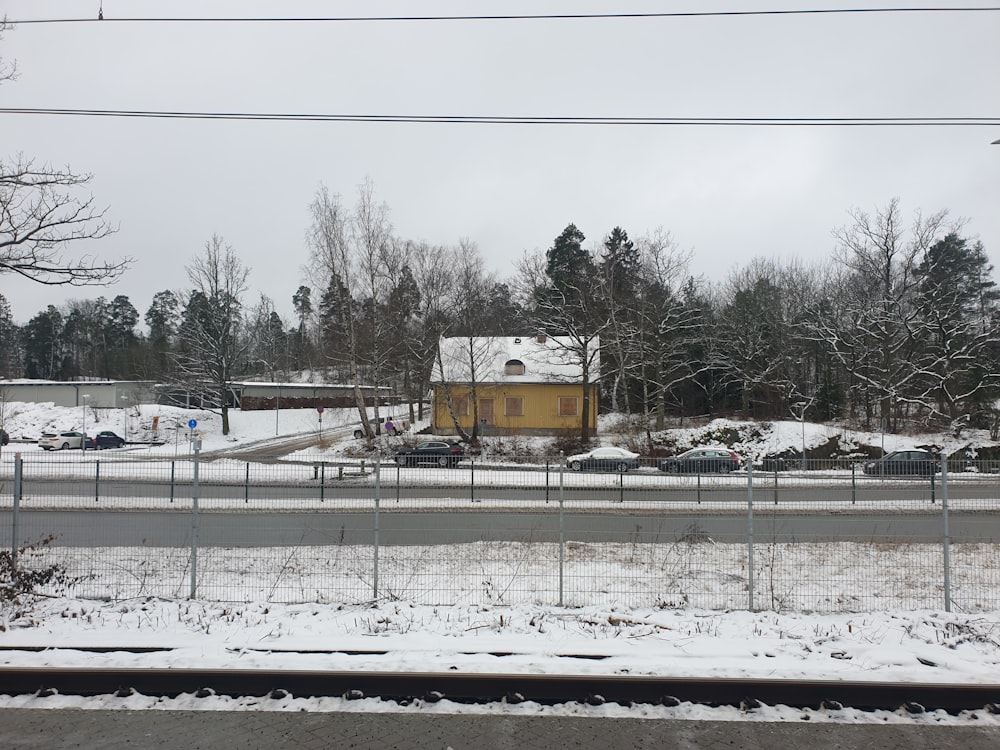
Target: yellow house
{"type": "Point", "coordinates": [515, 385]}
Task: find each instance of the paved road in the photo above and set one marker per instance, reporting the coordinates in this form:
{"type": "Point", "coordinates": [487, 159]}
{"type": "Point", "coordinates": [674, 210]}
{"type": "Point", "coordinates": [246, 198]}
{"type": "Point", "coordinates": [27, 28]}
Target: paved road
{"type": "Point", "coordinates": [111, 528]}
{"type": "Point", "coordinates": [27, 729]}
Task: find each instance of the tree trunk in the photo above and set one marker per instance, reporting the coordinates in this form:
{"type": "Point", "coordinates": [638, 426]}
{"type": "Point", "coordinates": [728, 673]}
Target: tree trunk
{"type": "Point", "coordinates": [224, 401]}
{"type": "Point", "coordinates": [585, 410]}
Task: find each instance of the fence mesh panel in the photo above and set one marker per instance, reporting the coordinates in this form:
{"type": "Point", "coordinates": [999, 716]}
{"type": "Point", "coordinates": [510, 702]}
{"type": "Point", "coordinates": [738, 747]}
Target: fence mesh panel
{"type": "Point", "coordinates": [826, 538]}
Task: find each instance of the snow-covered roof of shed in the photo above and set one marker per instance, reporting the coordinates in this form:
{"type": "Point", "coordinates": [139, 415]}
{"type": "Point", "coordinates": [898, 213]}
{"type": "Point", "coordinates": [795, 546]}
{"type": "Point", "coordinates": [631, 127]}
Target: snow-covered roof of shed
{"type": "Point", "coordinates": [546, 359]}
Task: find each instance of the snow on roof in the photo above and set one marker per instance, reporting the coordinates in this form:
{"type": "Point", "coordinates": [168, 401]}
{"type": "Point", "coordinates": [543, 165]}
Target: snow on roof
{"type": "Point", "coordinates": [514, 359]}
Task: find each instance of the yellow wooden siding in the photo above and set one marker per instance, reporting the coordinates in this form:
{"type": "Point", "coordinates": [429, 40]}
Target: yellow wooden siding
{"type": "Point", "coordinates": [541, 406]}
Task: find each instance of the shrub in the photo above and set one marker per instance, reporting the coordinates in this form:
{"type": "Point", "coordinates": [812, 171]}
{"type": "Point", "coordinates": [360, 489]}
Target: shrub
{"type": "Point", "coordinates": [511, 446]}
{"type": "Point", "coordinates": [21, 583]}
{"type": "Point", "coordinates": [568, 443]}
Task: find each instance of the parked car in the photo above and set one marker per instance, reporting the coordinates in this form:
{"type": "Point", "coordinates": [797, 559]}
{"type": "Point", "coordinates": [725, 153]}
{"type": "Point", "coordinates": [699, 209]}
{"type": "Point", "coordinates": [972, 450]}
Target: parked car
{"type": "Point", "coordinates": [106, 439]}
{"type": "Point", "coordinates": [702, 461]}
{"type": "Point", "coordinates": [607, 458]}
{"type": "Point", "coordinates": [61, 441]}
{"type": "Point", "coordinates": [434, 452]}
{"type": "Point", "coordinates": [922, 463]}
{"type": "Point", "coordinates": [779, 463]}
{"type": "Point", "coordinates": [392, 426]}
{"type": "Point", "coordinates": [4, 437]}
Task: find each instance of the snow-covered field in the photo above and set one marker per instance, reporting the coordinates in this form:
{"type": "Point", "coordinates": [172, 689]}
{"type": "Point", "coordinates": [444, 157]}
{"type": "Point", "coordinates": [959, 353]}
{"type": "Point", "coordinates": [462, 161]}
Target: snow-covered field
{"type": "Point", "coordinates": [671, 639]}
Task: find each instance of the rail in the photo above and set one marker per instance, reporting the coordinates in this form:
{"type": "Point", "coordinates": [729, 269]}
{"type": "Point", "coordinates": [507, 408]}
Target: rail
{"type": "Point", "coordinates": [546, 689]}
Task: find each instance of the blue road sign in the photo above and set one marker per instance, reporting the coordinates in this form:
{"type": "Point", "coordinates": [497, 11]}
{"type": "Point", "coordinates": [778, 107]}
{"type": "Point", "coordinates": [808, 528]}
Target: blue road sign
{"type": "Point", "coordinates": [193, 423]}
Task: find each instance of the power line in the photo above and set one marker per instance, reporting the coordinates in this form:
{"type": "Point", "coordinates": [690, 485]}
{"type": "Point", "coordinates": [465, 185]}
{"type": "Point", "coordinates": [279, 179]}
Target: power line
{"type": "Point", "coordinates": [516, 120]}
{"type": "Point", "coordinates": [519, 16]}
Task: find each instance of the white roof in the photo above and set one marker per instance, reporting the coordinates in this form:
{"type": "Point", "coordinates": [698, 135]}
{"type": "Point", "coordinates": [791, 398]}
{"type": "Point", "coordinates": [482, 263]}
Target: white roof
{"type": "Point", "coordinates": [546, 359]}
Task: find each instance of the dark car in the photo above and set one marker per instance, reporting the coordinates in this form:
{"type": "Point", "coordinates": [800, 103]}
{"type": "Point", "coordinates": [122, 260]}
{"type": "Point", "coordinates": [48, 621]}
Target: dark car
{"type": "Point", "coordinates": [606, 458]}
{"type": "Point", "coordinates": [779, 463]}
{"type": "Point", "coordinates": [702, 461]}
{"type": "Point", "coordinates": [433, 452]}
{"type": "Point", "coordinates": [106, 439]}
{"type": "Point", "coordinates": [4, 437]}
{"type": "Point", "coordinates": [920, 463]}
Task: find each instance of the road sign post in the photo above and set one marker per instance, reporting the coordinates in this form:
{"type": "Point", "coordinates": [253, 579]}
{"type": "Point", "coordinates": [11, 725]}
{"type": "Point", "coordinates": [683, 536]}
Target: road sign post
{"type": "Point", "coordinates": [195, 491]}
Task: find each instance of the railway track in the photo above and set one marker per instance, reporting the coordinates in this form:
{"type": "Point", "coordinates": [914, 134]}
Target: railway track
{"type": "Point", "coordinates": [512, 688]}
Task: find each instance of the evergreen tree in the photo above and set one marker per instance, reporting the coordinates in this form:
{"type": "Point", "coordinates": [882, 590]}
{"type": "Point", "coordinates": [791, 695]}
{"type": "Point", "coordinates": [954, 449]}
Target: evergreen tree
{"type": "Point", "coordinates": [163, 319]}
{"type": "Point", "coordinates": [957, 304]}
{"type": "Point", "coordinates": [567, 263]}
{"type": "Point", "coordinates": [42, 341]}
{"type": "Point", "coordinates": [121, 323]}
{"type": "Point", "coordinates": [620, 266]}
{"type": "Point", "coordinates": [334, 321]}
{"type": "Point", "coordinates": [10, 347]}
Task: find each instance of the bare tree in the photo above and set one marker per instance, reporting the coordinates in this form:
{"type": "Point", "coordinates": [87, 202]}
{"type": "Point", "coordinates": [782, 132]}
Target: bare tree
{"type": "Point", "coordinates": [668, 323]}
{"type": "Point", "coordinates": [567, 306]}
{"type": "Point", "coordinates": [213, 345]}
{"type": "Point", "coordinates": [472, 350]}
{"type": "Point", "coordinates": [379, 259]}
{"type": "Point", "coordinates": [334, 262]}
{"type": "Point", "coordinates": [529, 276]}
{"type": "Point", "coordinates": [568, 313]}
{"type": "Point", "coordinates": [464, 361]}
{"type": "Point", "coordinates": [8, 69]}
{"type": "Point", "coordinates": [41, 214]}
{"type": "Point", "coordinates": [870, 327]}
{"type": "Point", "coordinates": [434, 277]}
{"type": "Point", "coordinates": [43, 211]}
{"type": "Point", "coordinates": [267, 339]}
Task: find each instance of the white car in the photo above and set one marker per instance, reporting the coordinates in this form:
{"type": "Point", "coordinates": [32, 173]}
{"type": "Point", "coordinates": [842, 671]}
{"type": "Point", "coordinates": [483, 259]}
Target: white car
{"type": "Point", "coordinates": [399, 426]}
{"type": "Point", "coordinates": [608, 458]}
{"type": "Point", "coordinates": [51, 442]}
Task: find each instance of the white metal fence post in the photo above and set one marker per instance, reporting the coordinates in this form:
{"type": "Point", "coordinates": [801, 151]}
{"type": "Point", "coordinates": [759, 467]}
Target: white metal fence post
{"type": "Point", "coordinates": [194, 519]}
{"type": "Point", "coordinates": [750, 565]}
{"type": "Point", "coordinates": [378, 495]}
{"type": "Point", "coordinates": [562, 528]}
{"type": "Point", "coordinates": [945, 530]}
{"type": "Point", "coordinates": [15, 511]}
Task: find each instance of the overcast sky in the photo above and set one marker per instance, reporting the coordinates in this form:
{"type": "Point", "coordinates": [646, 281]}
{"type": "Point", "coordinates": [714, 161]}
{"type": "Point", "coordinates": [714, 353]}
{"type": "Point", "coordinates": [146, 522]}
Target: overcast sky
{"type": "Point", "coordinates": [725, 193]}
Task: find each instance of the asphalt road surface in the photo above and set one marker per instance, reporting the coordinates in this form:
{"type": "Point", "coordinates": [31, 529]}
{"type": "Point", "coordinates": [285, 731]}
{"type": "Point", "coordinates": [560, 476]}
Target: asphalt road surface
{"type": "Point", "coordinates": [111, 528]}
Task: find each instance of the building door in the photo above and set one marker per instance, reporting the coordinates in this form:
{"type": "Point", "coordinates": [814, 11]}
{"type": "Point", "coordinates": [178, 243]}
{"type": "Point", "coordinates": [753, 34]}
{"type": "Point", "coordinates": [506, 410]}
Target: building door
{"type": "Point", "coordinates": [486, 410]}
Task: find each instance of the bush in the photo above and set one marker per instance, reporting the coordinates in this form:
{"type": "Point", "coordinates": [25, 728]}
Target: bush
{"type": "Point", "coordinates": [568, 443]}
{"type": "Point", "coordinates": [512, 446]}
{"type": "Point", "coordinates": [19, 583]}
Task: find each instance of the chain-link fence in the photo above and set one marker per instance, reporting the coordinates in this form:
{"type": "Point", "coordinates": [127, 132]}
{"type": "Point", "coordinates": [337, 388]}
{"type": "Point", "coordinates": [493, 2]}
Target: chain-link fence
{"type": "Point", "coordinates": [821, 536]}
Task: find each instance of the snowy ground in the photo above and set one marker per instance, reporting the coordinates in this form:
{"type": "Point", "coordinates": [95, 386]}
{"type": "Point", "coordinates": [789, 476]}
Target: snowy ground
{"type": "Point", "coordinates": [25, 422]}
{"type": "Point", "coordinates": [924, 646]}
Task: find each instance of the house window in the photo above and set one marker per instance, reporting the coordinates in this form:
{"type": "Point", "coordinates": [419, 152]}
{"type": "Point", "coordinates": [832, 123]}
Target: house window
{"type": "Point", "coordinates": [569, 406]}
{"type": "Point", "coordinates": [461, 406]}
{"type": "Point", "coordinates": [513, 367]}
{"type": "Point", "coordinates": [513, 406]}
